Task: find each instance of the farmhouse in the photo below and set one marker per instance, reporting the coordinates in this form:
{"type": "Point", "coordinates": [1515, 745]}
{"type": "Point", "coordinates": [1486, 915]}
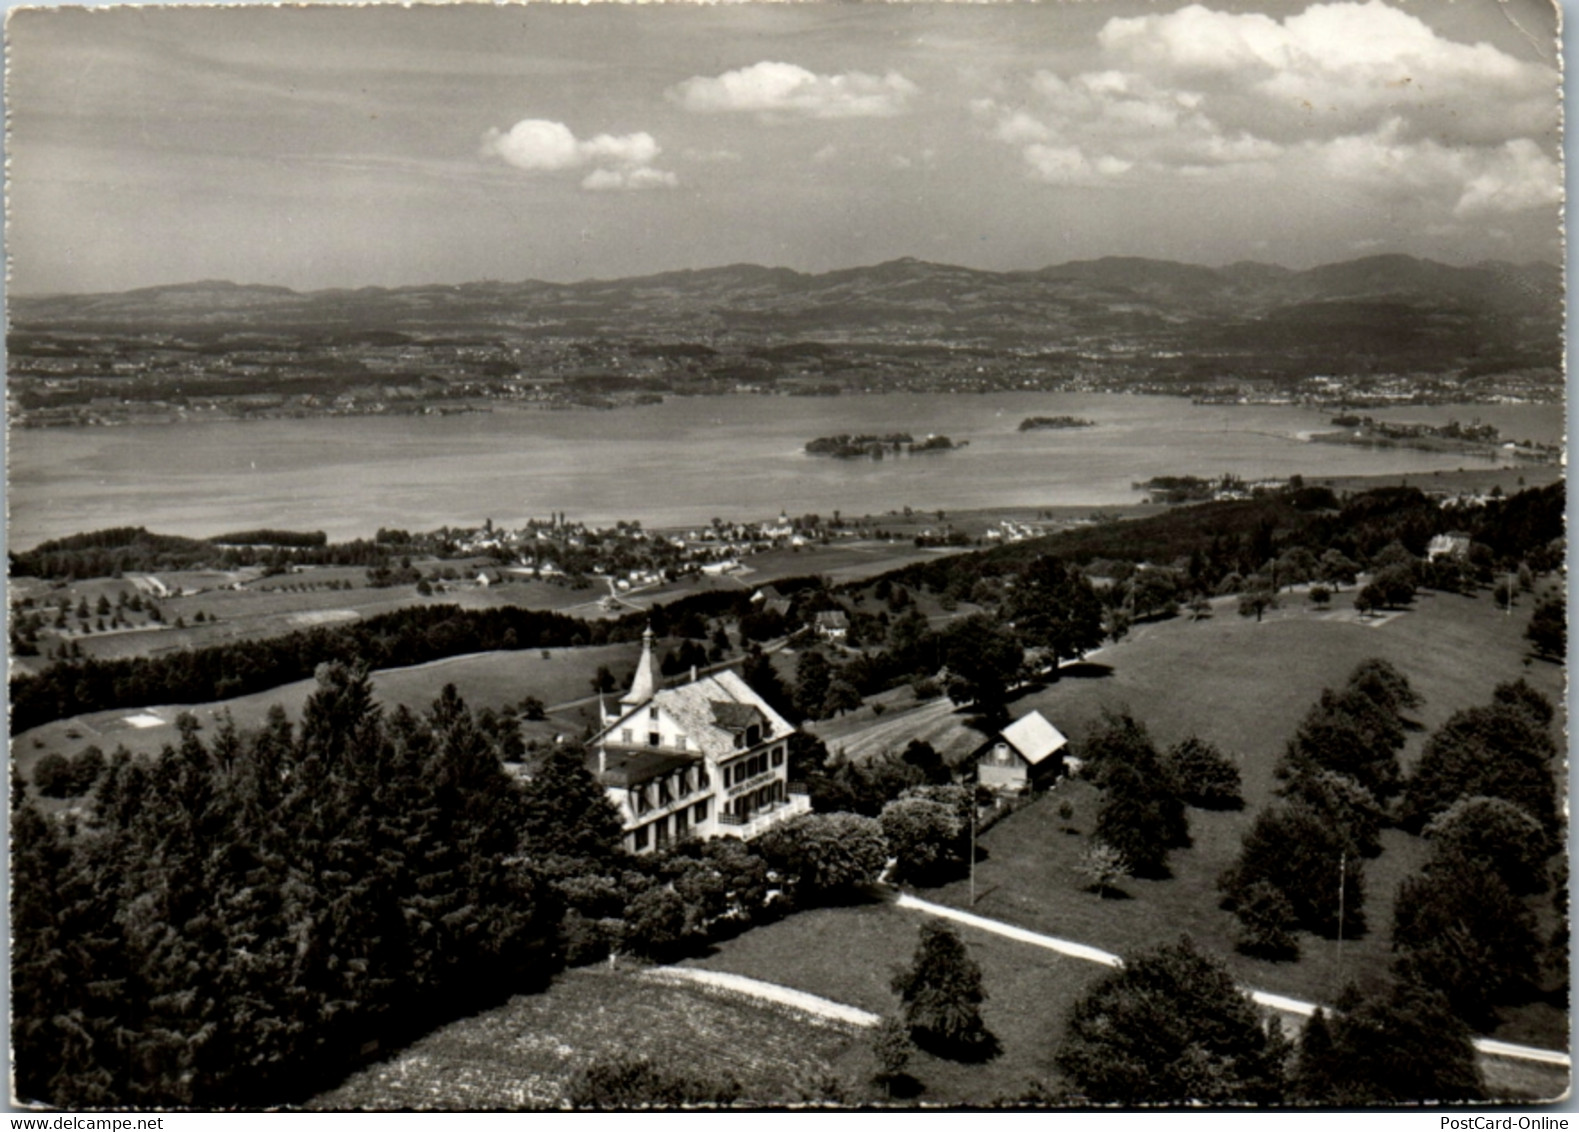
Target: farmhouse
{"type": "Point", "coordinates": [1454, 544]}
{"type": "Point", "coordinates": [704, 759]}
{"type": "Point", "coordinates": [1022, 753]}
{"type": "Point", "coordinates": [769, 600]}
{"type": "Point", "coordinates": [833, 624]}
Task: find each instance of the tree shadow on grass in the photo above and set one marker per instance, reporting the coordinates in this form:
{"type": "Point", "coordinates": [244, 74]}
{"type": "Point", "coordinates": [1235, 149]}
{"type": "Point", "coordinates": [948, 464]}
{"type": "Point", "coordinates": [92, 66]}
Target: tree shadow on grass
{"type": "Point", "coordinates": [976, 1048]}
{"type": "Point", "coordinates": [903, 1087]}
{"type": "Point", "coordinates": [854, 896]}
{"type": "Point", "coordinates": [1110, 892]}
{"type": "Point", "coordinates": [987, 722]}
{"type": "Point", "coordinates": [1086, 670]}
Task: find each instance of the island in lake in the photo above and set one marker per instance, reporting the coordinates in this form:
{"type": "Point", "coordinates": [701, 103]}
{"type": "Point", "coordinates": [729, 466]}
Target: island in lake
{"type": "Point", "coordinates": [1032, 424]}
{"type": "Point", "coordinates": [1473, 439]}
{"type": "Point", "coordinates": [847, 447]}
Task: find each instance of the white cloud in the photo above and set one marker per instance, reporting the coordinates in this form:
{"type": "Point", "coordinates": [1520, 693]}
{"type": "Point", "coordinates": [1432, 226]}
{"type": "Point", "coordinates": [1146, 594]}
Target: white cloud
{"type": "Point", "coordinates": [535, 144]}
{"type": "Point", "coordinates": [1363, 96]}
{"type": "Point", "coordinates": [1068, 165]}
{"type": "Point", "coordinates": [1337, 68]}
{"type": "Point", "coordinates": [1019, 127]}
{"type": "Point", "coordinates": [607, 180]}
{"type": "Point", "coordinates": [712, 156]}
{"type": "Point", "coordinates": [622, 161]}
{"type": "Point", "coordinates": [1516, 177]}
{"type": "Point", "coordinates": [785, 89]}
{"type": "Point", "coordinates": [631, 149]}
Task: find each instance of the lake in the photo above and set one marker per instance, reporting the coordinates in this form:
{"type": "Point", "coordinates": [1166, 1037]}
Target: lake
{"type": "Point", "coordinates": [679, 463]}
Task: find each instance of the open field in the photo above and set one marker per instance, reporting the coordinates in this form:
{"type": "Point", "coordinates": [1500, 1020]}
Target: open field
{"type": "Point", "coordinates": [849, 954]}
{"type": "Point", "coordinates": [524, 1054]}
{"type": "Point", "coordinates": [1244, 686]}
{"type": "Point", "coordinates": [843, 561]}
{"type": "Point", "coordinates": [1466, 480]}
{"type": "Point", "coordinates": [272, 606]}
{"type": "Point", "coordinates": [839, 562]}
{"type": "Point", "coordinates": [494, 680]}
{"type": "Point", "coordinates": [862, 734]}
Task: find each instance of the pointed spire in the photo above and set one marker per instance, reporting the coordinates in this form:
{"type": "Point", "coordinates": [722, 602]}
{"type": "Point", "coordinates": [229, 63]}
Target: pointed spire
{"type": "Point", "coordinates": [645, 682]}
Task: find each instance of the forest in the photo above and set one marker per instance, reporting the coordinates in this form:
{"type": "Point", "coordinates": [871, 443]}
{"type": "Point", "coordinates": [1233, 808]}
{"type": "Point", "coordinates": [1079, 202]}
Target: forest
{"type": "Point", "coordinates": [1214, 541]}
{"type": "Point", "coordinates": [243, 919]}
{"type": "Point", "coordinates": [119, 550]}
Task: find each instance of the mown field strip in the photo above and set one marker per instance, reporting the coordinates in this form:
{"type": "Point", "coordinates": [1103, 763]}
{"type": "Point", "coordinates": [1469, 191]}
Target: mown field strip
{"type": "Point", "coordinates": [812, 1004]}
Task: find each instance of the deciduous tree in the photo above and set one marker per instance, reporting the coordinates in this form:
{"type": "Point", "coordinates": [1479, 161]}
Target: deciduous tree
{"type": "Point", "coordinates": [1459, 930]}
{"type": "Point", "coordinates": [830, 856]}
{"type": "Point", "coordinates": [1170, 1027]}
{"type": "Point", "coordinates": [1498, 751]}
{"type": "Point", "coordinates": [1203, 775]}
{"type": "Point", "coordinates": [1054, 608]}
{"type": "Point", "coordinates": [928, 830]}
{"type": "Point", "coordinates": [1403, 1046]}
{"type": "Point", "coordinates": [1103, 867]}
{"type": "Point", "coordinates": [1140, 814]}
{"type": "Point", "coordinates": [1299, 853]}
{"type": "Point", "coordinates": [1548, 628]}
{"type": "Point", "coordinates": [1496, 834]}
{"type": "Point", "coordinates": [813, 677]}
{"type": "Point", "coordinates": [983, 659]}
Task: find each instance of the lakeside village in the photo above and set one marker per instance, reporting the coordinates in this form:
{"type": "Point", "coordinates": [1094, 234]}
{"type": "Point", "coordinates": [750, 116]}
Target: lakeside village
{"type": "Point", "coordinates": [154, 378]}
{"type": "Point", "coordinates": [627, 556]}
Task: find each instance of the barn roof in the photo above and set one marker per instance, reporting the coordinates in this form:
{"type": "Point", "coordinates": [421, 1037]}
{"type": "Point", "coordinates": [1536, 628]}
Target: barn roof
{"type": "Point", "coordinates": [1033, 737]}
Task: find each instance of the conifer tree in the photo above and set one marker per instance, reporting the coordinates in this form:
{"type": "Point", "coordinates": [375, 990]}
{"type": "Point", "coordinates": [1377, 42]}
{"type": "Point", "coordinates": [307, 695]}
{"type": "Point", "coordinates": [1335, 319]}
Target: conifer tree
{"type": "Point", "coordinates": [941, 993]}
{"type": "Point", "coordinates": [565, 810]}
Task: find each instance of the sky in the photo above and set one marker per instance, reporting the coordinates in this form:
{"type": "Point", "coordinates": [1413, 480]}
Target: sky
{"type": "Point", "coordinates": [338, 146]}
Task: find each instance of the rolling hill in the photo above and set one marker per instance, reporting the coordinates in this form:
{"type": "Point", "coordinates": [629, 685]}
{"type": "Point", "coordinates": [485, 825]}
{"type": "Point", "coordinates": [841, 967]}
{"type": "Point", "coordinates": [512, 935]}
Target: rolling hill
{"type": "Point", "coordinates": [1387, 311]}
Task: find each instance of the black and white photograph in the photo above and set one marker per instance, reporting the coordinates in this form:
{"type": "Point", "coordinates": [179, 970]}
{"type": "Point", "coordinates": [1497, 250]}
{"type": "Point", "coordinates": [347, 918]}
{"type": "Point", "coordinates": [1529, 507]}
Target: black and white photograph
{"type": "Point", "coordinates": [835, 557]}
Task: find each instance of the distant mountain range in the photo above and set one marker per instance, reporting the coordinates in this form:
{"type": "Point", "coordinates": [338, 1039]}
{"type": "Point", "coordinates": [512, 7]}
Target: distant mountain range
{"type": "Point", "coordinates": [1392, 309]}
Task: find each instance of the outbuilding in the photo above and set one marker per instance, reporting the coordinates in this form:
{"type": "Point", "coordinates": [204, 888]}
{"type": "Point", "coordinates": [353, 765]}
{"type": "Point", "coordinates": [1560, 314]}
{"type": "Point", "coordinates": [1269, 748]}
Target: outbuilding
{"type": "Point", "coordinates": [1024, 753]}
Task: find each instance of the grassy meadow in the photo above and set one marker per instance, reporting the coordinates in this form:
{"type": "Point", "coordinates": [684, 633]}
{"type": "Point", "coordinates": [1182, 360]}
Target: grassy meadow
{"type": "Point", "coordinates": [272, 606]}
{"type": "Point", "coordinates": [849, 954]}
{"type": "Point", "coordinates": [493, 680]}
{"type": "Point", "coordinates": [1244, 686]}
{"type": "Point", "coordinates": [524, 1054]}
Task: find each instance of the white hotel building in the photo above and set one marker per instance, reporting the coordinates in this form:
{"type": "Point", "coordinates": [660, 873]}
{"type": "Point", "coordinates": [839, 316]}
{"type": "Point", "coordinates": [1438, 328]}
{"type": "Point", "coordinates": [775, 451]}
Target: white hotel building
{"type": "Point", "coordinates": [708, 758]}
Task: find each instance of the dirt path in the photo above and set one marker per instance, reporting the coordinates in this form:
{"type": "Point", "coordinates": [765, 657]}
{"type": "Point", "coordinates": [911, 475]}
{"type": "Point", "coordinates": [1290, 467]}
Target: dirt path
{"type": "Point", "coordinates": [1486, 1046]}
{"type": "Point", "coordinates": [768, 992]}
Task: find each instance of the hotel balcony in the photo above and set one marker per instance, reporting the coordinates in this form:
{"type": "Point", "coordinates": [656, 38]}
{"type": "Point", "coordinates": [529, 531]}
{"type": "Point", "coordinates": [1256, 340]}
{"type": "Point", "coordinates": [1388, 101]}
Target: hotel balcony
{"type": "Point", "coordinates": [764, 819]}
